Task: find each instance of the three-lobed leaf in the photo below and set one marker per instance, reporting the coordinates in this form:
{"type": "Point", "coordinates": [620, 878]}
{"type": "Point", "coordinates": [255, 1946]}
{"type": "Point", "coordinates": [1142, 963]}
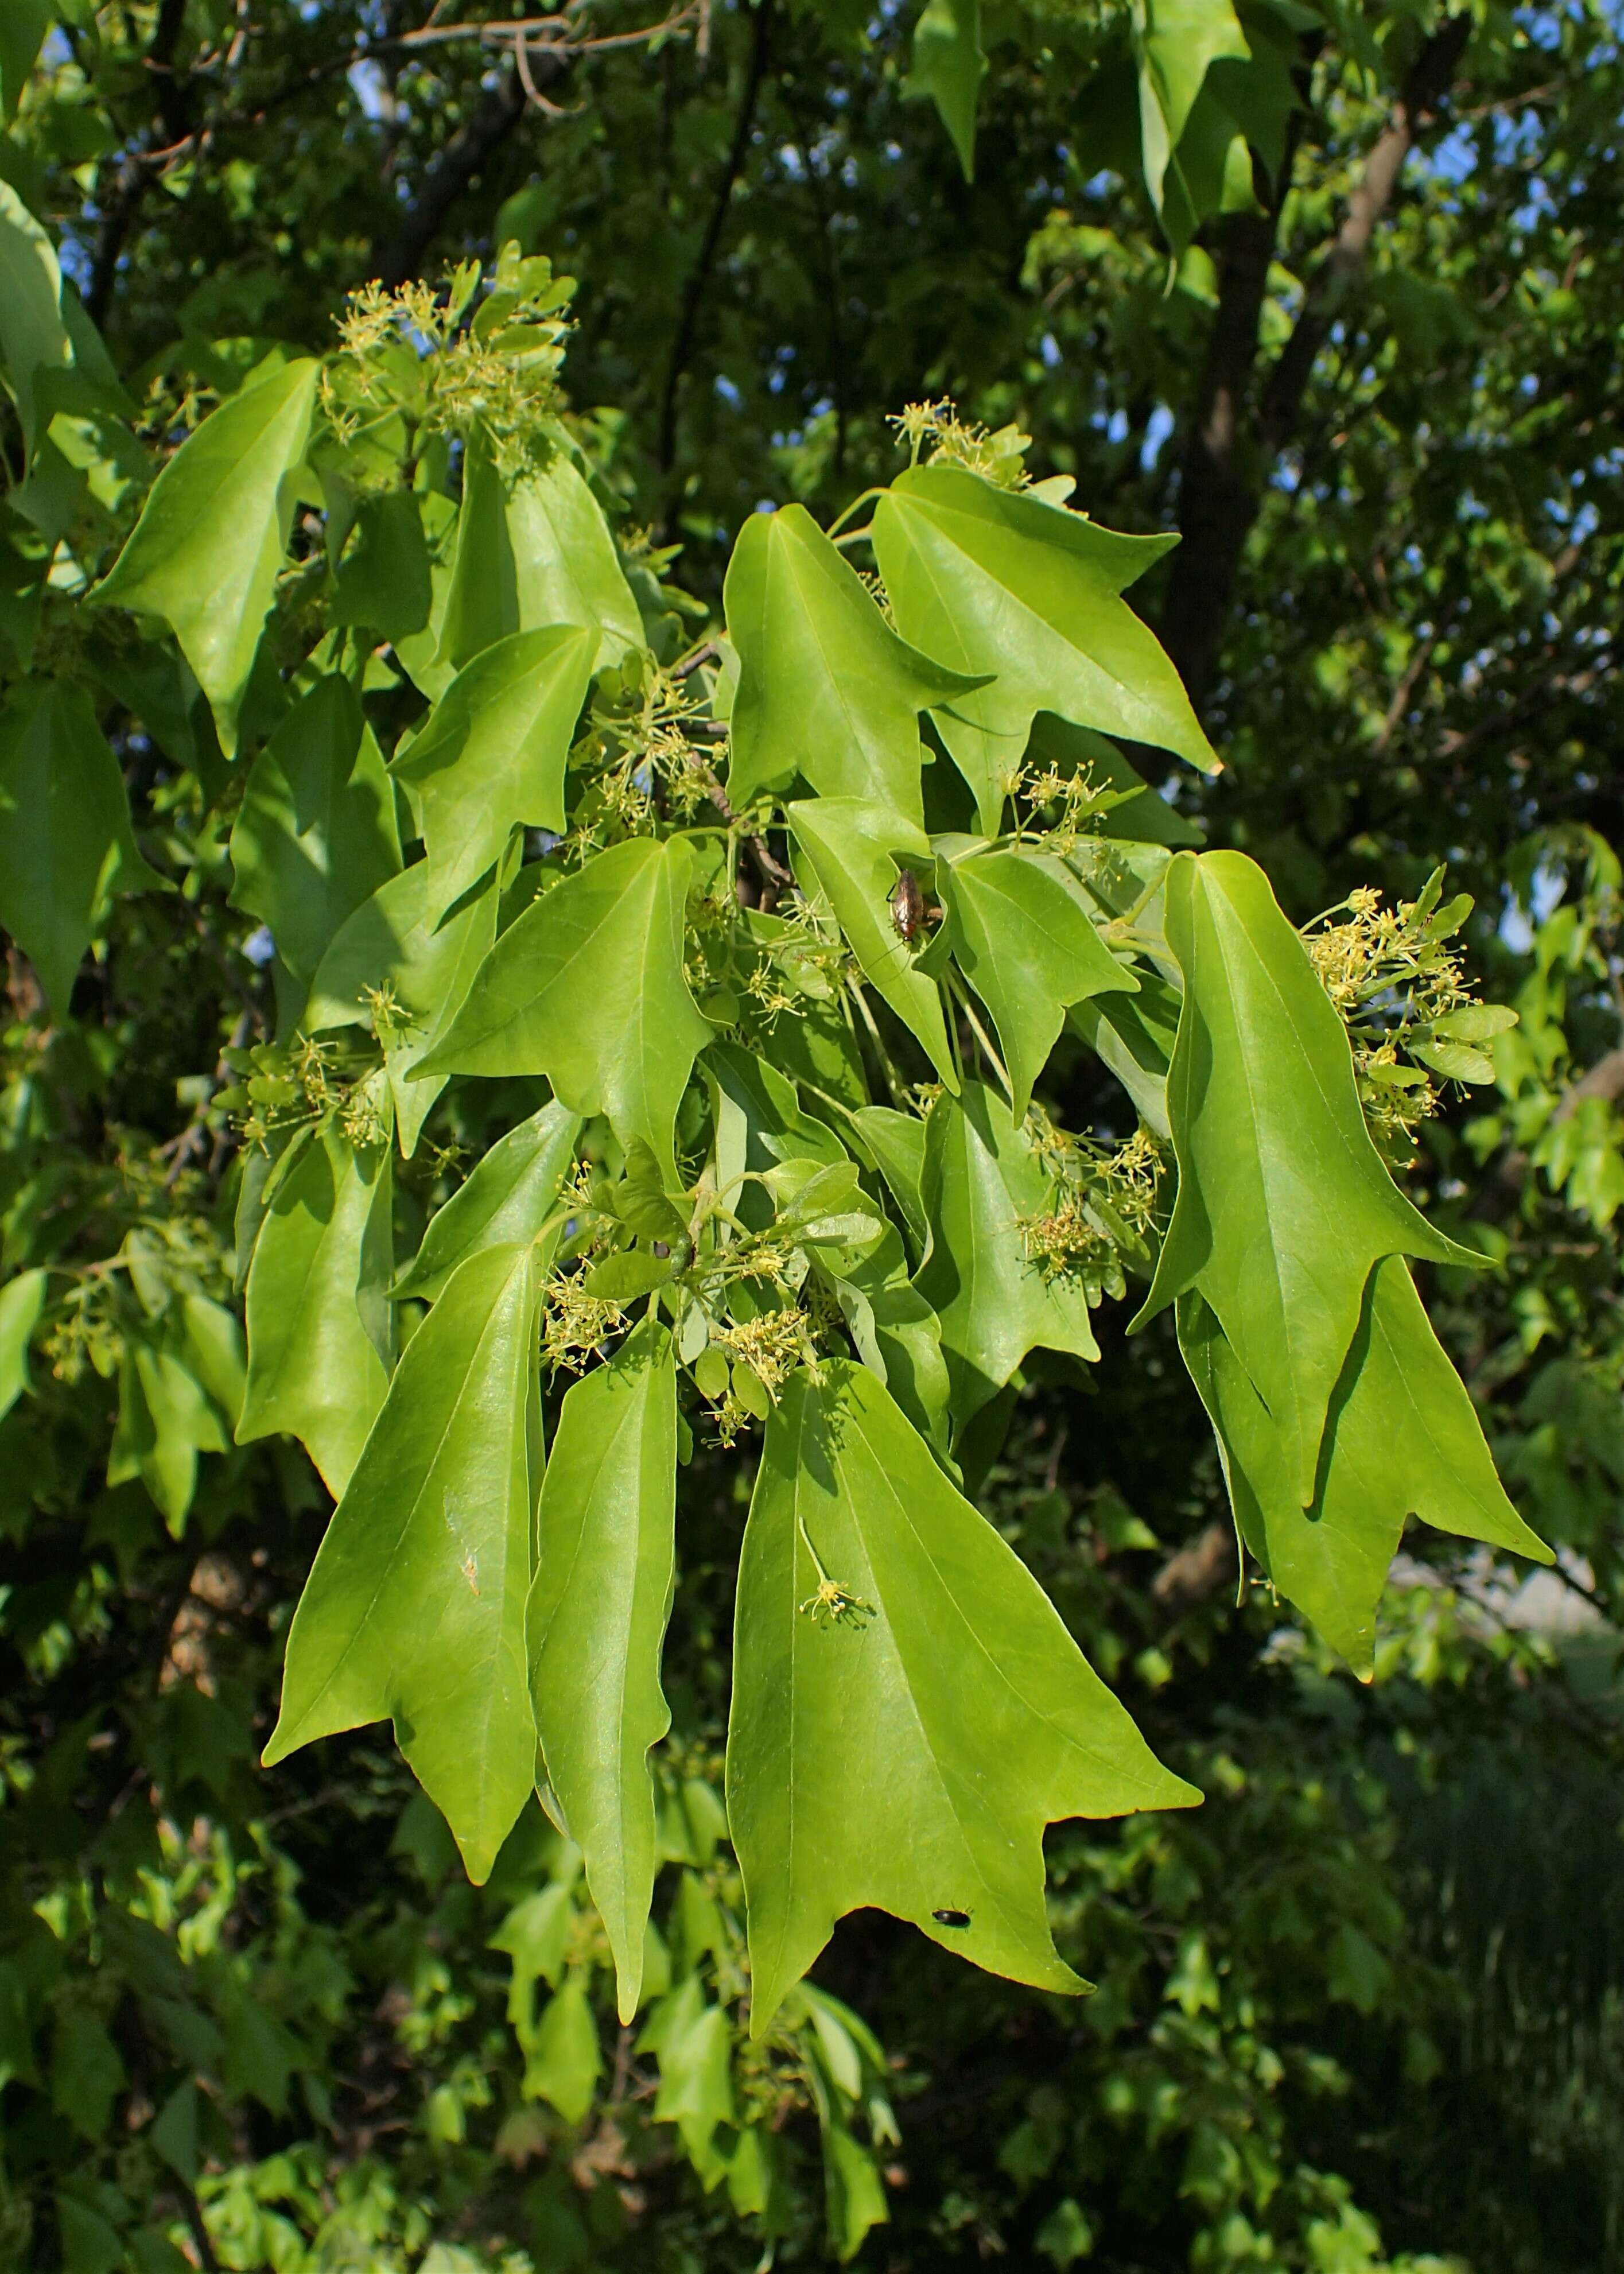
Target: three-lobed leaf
{"type": "Point", "coordinates": [1401, 1439]}
{"type": "Point", "coordinates": [905, 1747]}
{"type": "Point", "coordinates": [207, 549]}
{"type": "Point", "coordinates": [1284, 1204]}
{"type": "Point", "coordinates": [826, 690]}
{"type": "Point", "coordinates": [994, 582]}
{"type": "Point", "coordinates": [414, 1610]}
{"type": "Point", "coordinates": [586, 988]}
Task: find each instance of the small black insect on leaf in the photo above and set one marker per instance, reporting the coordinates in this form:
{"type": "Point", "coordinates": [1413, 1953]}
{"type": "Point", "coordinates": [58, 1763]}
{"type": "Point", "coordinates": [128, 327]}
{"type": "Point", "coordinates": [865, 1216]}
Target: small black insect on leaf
{"type": "Point", "coordinates": [951, 1919]}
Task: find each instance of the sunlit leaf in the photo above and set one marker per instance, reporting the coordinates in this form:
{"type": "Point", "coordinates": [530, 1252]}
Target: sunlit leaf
{"type": "Point", "coordinates": [983, 1177]}
{"type": "Point", "coordinates": [826, 690]}
{"type": "Point", "coordinates": [319, 1323]}
{"type": "Point", "coordinates": [992, 581]}
{"type": "Point", "coordinates": [598, 1614]}
{"type": "Point", "coordinates": [206, 553]}
{"type": "Point", "coordinates": [490, 755]}
{"type": "Point", "coordinates": [1402, 1439]}
{"type": "Point", "coordinates": [414, 1610]}
{"type": "Point", "coordinates": [903, 1743]}
{"type": "Point", "coordinates": [948, 66]}
{"type": "Point", "coordinates": [1027, 944]}
{"type": "Point", "coordinates": [587, 987]}
{"type": "Point", "coordinates": [855, 850]}
{"type": "Point", "coordinates": [508, 1196]}
{"type": "Point", "coordinates": [1284, 1204]}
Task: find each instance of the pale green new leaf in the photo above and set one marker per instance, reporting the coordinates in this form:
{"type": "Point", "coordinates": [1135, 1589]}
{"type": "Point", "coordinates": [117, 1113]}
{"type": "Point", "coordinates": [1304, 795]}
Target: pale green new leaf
{"type": "Point", "coordinates": [851, 847]}
{"type": "Point", "coordinates": [317, 1323]}
{"type": "Point", "coordinates": [165, 1420]}
{"type": "Point", "coordinates": [907, 1753]}
{"type": "Point", "coordinates": [316, 833]}
{"type": "Point", "coordinates": [1402, 1439]}
{"type": "Point", "coordinates": [586, 988]}
{"type": "Point", "coordinates": [66, 840]}
{"type": "Point", "coordinates": [414, 1610]}
{"type": "Point", "coordinates": [21, 1301]}
{"type": "Point", "coordinates": [948, 66]}
{"type": "Point", "coordinates": [1025, 942]}
{"type": "Point", "coordinates": [33, 335]}
{"type": "Point", "coordinates": [826, 690]}
{"type": "Point", "coordinates": [492, 753]}
{"type": "Point", "coordinates": [597, 1612]}
{"type": "Point", "coordinates": [1284, 1204]}
{"type": "Point", "coordinates": [992, 581]}
{"type": "Point", "coordinates": [400, 943]}
{"type": "Point", "coordinates": [563, 2059]}
{"type": "Point", "coordinates": [982, 1177]}
{"type": "Point", "coordinates": [508, 1196]}
{"type": "Point", "coordinates": [208, 547]}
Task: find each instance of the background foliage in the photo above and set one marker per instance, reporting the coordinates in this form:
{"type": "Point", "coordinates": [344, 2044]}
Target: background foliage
{"type": "Point", "coordinates": [1364, 2006]}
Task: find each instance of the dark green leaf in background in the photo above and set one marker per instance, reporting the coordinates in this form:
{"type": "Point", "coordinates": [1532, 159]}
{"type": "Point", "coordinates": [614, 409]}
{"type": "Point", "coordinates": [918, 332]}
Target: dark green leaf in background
{"type": "Point", "coordinates": [316, 833]}
{"type": "Point", "coordinates": [65, 841]}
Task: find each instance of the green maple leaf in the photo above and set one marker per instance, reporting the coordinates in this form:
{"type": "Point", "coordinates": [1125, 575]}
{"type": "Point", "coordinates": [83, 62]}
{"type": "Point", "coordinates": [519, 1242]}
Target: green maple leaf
{"type": "Point", "coordinates": [904, 1744]}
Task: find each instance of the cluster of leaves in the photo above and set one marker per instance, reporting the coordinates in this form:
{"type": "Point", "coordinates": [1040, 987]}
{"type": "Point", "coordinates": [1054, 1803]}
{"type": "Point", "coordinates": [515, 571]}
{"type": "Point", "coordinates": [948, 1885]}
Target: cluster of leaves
{"type": "Point", "coordinates": [1477, 638]}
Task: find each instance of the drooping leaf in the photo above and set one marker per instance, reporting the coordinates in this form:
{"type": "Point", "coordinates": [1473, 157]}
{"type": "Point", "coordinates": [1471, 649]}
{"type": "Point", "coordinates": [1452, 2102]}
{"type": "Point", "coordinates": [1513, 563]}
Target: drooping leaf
{"type": "Point", "coordinates": [507, 1197]}
{"type": "Point", "coordinates": [991, 580]}
{"type": "Point", "coordinates": [948, 66]}
{"type": "Point", "coordinates": [414, 1610]}
{"type": "Point", "coordinates": [586, 988]}
{"type": "Point", "coordinates": [316, 833]}
{"type": "Point", "coordinates": [598, 1614]}
{"type": "Point", "coordinates": [492, 752]}
{"type": "Point", "coordinates": [34, 337]}
{"type": "Point", "coordinates": [563, 2059]}
{"type": "Point", "coordinates": [318, 1324]}
{"type": "Point", "coordinates": [1284, 1204]}
{"type": "Point", "coordinates": [1025, 942]}
{"type": "Point", "coordinates": [565, 571]}
{"type": "Point", "coordinates": [895, 1328]}
{"type": "Point", "coordinates": [1177, 41]}
{"type": "Point", "coordinates": [854, 849]}
{"type": "Point", "coordinates": [534, 550]}
{"type": "Point", "coordinates": [1134, 1036]}
{"type": "Point", "coordinates": [66, 840]}
{"type": "Point", "coordinates": [399, 944]}
{"type": "Point", "coordinates": [21, 1301]}
{"type": "Point", "coordinates": [1401, 1439]}
{"type": "Point", "coordinates": [826, 690]}
{"type": "Point", "coordinates": [983, 1177]}
{"type": "Point", "coordinates": [165, 1420]}
{"type": "Point", "coordinates": [904, 1744]}
{"type": "Point", "coordinates": [382, 580]}
{"type": "Point", "coordinates": [207, 552]}
{"type": "Point", "coordinates": [22, 27]}
{"type": "Point", "coordinates": [896, 1142]}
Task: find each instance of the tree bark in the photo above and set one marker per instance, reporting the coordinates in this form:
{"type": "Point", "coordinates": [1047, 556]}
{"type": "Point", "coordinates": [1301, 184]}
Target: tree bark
{"type": "Point", "coordinates": [1238, 430]}
{"type": "Point", "coordinates": [400, 257]}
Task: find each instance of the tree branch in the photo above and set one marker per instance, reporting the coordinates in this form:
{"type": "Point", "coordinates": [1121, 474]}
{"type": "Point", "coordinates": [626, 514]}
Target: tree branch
{"type": "Point", "coordinates": [493, 120]}
{"type": "Point", "coordinates": [1227, 457]}
{"type": "Point", "coordinates": [699, 276]}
